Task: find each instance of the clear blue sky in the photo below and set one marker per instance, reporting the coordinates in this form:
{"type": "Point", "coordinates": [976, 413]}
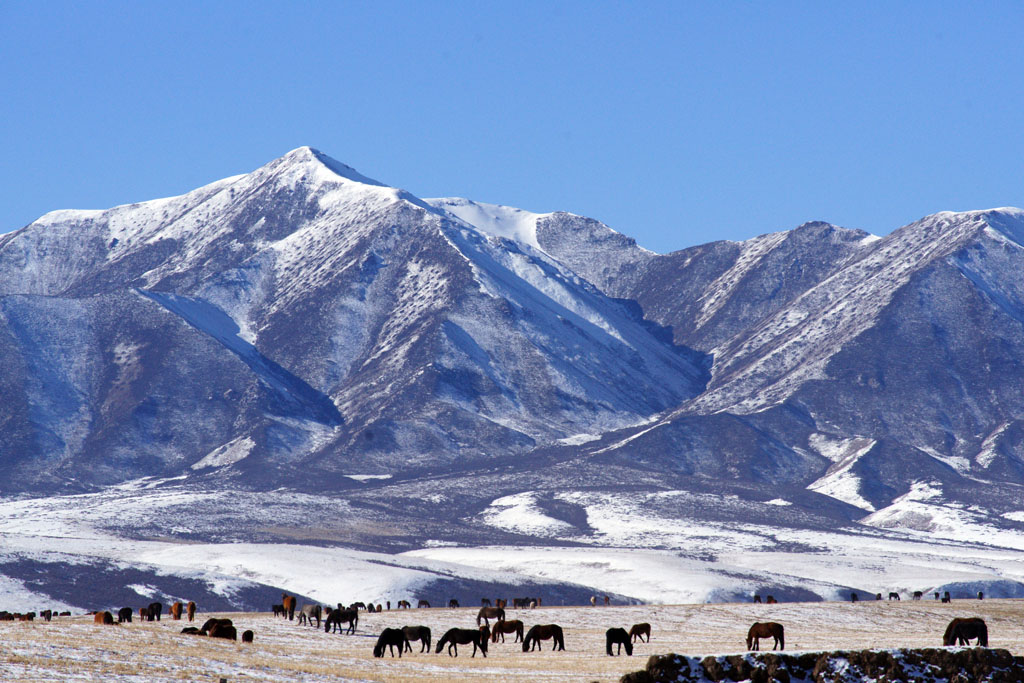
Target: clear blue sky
{"type": "Point", "coordinates": [676, 123]}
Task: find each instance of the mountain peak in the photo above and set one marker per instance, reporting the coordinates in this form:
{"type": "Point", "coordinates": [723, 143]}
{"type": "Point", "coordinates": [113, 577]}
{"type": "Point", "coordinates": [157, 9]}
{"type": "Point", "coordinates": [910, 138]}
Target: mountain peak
{"type": "Point", "coordinates": [308, 159]}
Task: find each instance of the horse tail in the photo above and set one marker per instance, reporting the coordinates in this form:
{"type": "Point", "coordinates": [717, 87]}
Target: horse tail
{"type": "Point", "coordinates": [559, 638]}
{"type": "Point", "coordinates": [782, 637]}
{"type": "Point", "coordinates": [982, 634]}
{"type": "Point", "coordinates": [501, 614]}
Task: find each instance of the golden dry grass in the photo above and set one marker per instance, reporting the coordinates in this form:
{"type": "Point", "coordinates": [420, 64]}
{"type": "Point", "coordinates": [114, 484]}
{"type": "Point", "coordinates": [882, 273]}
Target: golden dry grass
{"type": "Point", "coordinates": [76, 649]}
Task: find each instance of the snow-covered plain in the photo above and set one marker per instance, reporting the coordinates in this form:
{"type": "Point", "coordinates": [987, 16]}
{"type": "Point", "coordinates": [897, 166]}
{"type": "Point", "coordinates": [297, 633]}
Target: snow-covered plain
{"type": "Point", "coordinates": [73, 649]}
{"type": "Point", "coordinates": [632, 549]}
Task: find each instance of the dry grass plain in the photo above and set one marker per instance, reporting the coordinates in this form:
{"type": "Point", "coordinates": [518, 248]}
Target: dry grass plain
{"type": "Point", "coordinates": [73, 648]}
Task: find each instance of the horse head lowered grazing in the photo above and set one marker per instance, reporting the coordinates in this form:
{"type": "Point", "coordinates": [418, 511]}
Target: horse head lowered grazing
{"type": "Point", "coordinates": [464, 636]}
{"type": "Point", "coordinates": [961, 631]}
{"type": "Point", "coordinates": [544, 632]}
{"type": "Point", "coordinates": [486, 613]}
{"type": "Point", "coordinates": [768, 629]}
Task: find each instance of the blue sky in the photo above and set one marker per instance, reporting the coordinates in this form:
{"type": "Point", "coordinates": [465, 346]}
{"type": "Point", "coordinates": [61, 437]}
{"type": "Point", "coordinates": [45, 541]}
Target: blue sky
{"type": "Point", "coordinates": [676, 123]}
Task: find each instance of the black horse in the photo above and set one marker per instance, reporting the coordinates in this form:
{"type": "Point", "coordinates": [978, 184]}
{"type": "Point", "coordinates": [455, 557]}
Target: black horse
{"type": "Point", "coordinates": [543, 632]}
{"type": "Point", "coordinates": [464, 636]}
{"type": "Point", "coordinates": [961, 631]}
{"type": "Point", "coordinates": [617, 636]}
{"type": "Point", "coordinates": [337, 617]}
{"type": "Point", "coordinates": [390, 637]}
{"type": "Point", "coordinates": [154, 610]}
{"type": "Point", "coordinates": [420, 633]}
{"type": "Point", "coordinates": [124, 614]}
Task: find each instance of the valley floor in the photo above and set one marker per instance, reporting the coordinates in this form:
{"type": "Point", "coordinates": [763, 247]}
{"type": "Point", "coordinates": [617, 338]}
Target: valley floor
{"type": "Point", "coordinates": [73, 648]}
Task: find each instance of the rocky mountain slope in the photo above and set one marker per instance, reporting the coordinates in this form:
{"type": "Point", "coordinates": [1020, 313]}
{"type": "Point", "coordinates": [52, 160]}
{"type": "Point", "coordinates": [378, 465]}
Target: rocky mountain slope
{"type": "Point", "coordinates": [475, 374]}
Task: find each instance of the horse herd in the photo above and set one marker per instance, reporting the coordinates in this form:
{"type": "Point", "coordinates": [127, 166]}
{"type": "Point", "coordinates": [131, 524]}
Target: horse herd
{"type": "Point", "coordinates": [150, 612]}
{"type": "Point", "coordinates": [958, 632]}
{"type": "Point", "coordinates": [484, 633]}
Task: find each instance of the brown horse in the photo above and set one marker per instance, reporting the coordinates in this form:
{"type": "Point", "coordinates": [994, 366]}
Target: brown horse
{"type": "Point", "coordinates": [639, 631]}
{"type": "Point", "coordinates": [420, 633]}
{"type": "Point", "coordinates": [486, 613]}
{"type": "Point", "coordinates": [454, 637]}
{"type": "Point", "coordinates": [155, 610]}
{"type": "Point", "coordinates": [288, 602]}
{"type": "Point", "coordinates": [212, 622]}
{"type": "Point", "coordinates": [503, 627]}
{"type": "Point", "coordinates": [961, 631]}
{"type": "Point", "coordinates": [617, 636]}
{"type": "Point", "coordinates": [543, 632]}
{"type": "Point", "coordinates": [176, 609]}
{"type": "Point", "coordinates": [191, 610]}
{"type": "Point", "coordinates": [764, 630]}
{"type": "Point", "coordinates": [104, 618]}
{"type": "Point", "coordinates": [404, 604]}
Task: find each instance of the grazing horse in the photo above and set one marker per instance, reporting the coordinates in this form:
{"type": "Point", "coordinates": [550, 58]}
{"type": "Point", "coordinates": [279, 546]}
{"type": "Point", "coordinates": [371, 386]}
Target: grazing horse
{"type": "Point", "coordinates": [639, 631]}
{"type": "Point", "coordinates": [422, 603]}
{"type": "Point", "coordinates": [390, 637]}
{"type": "Point", "coordinates": [757, 598]}
{"type": "Point", "coordinates": [617, 636]}
{"type": "Point", "coordinates": [503, 627]}
{"type": "Point", "coordinates": [981, 595]}
{"type": "Point", "coordinates": [288, 603]}
{"type": "Point", "coordinates": [538, 633]}
{"type": "Point", "coordinates": [501, 602]}
{"type": "Point", "coordinates": [213, 622]}
{"type": "Point", "coordinates": [176, 609]}
{"type": "Point", "coordinates": [764, 630]}
{"type": "Point", "coordinates": [485, 602]}
{"type": "Point", "coordinates": [191, 610]}
{"type": "Point", "coordinates": [453, 603]}
{"type": "Point", "coordinates": [961, 631]}
{"type": "Point", "coordinates": [247, 636]}
{"type": "Point", "coordinates": [454, 637]}
{"type": "Point", "coordinates": [337, 617]}
{"type": "Point", "coordinates": [222, 630]}
{"type": "Point", "coordinates": [770, 600]}
{"type": "Point", "coordinates": [278, 610]}
{"type": "Point", "coordinates": [486, 613]}
{"type": "Point", "coordinates": [124, 614]}
{"type": "Point", "coordinates": [420, 633]}
{"type": "Point", "coordinates": [853, 597]}
{"type": "Point", "coordinates": [918, 595]}
{"type": "Point", "coordinates": [894, 596]}
{"type": "Point", "coordinates": [404, 604]}
{"type": "Point", "coordinates": [155, 609]}
{"type": "Point", "coordinates": [307, 614]}
{"type": "Point", "coordinates": [103, 618]}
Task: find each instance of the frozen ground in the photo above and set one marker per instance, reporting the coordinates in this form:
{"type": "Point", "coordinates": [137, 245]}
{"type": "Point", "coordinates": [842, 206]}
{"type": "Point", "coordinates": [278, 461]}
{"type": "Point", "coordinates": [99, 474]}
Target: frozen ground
{"type": "Point", "coordinates": [71, 649]}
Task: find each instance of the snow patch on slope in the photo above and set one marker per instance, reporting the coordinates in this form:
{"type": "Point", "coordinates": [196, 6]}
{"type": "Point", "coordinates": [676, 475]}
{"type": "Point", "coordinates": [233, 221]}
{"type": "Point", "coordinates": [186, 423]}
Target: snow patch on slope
{"type": "Point", "coordinates": [229, 453]}
{"type": "Point", "coordinates": [840, 482]}
{"type": "Point", "coordinates": [494, 219]}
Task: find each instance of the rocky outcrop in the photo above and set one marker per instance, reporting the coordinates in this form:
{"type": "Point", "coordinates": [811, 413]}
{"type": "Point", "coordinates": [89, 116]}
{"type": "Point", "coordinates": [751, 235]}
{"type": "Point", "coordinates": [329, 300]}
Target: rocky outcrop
{"type": "Point", "coordinates": [928, 664]}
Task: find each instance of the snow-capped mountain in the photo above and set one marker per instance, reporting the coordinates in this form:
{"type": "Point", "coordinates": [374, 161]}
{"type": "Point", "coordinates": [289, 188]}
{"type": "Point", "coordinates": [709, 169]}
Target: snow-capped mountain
{"type": "Point", "coordinates": [304, 314]}
{"type": "Point", "coordinates": [479, 375]}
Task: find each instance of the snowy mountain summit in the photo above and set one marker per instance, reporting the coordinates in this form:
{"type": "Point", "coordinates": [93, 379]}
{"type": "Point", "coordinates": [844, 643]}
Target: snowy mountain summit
{"type": "Point", "coordinates": [497, 370]}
